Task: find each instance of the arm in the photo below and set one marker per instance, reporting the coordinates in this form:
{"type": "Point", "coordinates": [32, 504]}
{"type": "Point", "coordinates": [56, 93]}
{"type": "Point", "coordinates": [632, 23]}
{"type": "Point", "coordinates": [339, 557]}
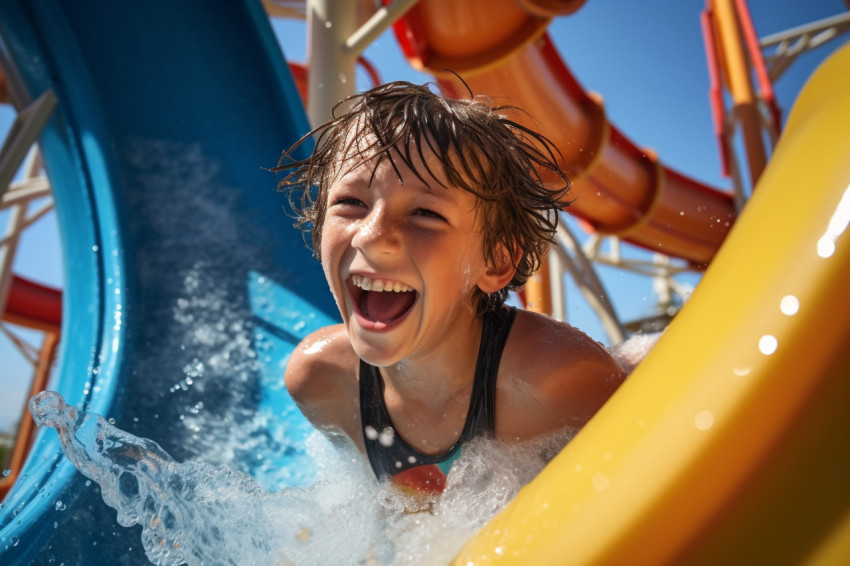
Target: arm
{"type": "Point", "coordinates": [321, 377]}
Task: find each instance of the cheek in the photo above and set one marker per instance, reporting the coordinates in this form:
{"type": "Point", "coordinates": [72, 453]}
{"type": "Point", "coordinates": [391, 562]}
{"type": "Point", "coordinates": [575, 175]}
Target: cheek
{"type": "Point", "coordinates": [328, 258]}
{"type": "Point", "coordinates": [329, 240]}
{"type": "Point", "coordinates": [334, 284]}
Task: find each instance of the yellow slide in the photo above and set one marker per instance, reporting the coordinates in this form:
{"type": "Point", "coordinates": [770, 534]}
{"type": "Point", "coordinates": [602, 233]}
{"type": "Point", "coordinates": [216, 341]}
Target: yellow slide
{"type": "Point", "coordinates": [730, 444]}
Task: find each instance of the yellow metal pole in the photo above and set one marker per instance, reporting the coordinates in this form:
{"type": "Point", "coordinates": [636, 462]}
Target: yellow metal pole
{"type": "Point", "coordinates": [740, 85]}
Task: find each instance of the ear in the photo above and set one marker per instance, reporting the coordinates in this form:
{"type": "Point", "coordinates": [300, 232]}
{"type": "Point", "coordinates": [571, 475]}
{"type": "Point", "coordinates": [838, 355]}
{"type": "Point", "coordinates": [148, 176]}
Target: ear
{"type": "Point", "coordinates": [496, 277]}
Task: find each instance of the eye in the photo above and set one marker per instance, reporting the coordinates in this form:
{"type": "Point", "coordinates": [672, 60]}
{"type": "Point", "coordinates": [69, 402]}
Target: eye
{"type": "Point", "coordinates": [347, 201]}
{"type": "Point", "coordinates": [429, 214]}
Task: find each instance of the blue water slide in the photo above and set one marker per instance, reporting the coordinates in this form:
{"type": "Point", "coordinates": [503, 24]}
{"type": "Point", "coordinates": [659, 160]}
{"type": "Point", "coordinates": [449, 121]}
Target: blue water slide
{"type": "Point", "coordinates": [186, 285]}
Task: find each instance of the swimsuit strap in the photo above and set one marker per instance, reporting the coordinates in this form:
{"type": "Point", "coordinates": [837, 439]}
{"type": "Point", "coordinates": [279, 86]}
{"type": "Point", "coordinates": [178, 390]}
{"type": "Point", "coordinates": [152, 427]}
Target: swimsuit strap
{"type": "Point", "coordinates": [481, 417]}
{"type": "Point", "coordinates": [388, 453]}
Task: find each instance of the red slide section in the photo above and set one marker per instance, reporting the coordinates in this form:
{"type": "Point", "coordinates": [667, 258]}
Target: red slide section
{"type": "Point", "coordinates": [34, 305]}
{"type": "Point", "coordinates": [501, 49]}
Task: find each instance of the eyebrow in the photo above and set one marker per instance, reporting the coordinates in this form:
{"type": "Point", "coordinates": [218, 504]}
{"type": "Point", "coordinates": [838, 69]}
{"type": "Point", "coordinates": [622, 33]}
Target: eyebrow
{"type": "Point", "coordinates": [357, 174]}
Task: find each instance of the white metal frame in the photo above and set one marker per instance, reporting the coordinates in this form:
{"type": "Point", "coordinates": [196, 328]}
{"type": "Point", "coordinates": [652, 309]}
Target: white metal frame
{"type": "Point", "coordinates": [792, 43]}
{"type": "Point", "coordinates": [16, 196]}
{"type": "Point", "coordinates": [579, 262]}
{"type": "Point", "coordinates": [333, 44]}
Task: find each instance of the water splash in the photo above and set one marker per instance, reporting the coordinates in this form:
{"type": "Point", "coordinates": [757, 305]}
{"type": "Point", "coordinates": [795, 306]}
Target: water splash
{"type": "Point", "coordinates": [194, 512]}
{"type": "Point", "coordinates": [197, 513]}
{"type": "Point", "coordinates": [631, 352]}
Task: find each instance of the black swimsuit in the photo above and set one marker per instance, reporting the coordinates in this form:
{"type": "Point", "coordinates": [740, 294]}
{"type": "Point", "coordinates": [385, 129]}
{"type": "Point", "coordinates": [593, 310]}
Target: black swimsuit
{"type": "Point", "coordinates": [388, 453]}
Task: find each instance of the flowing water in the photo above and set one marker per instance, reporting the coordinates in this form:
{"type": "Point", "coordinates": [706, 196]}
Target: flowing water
{"type": "Point", "coordinates": [197, 513]}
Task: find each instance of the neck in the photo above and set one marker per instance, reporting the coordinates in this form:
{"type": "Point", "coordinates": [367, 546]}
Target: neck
{"type": "Point", "coordinates": [441, 374]}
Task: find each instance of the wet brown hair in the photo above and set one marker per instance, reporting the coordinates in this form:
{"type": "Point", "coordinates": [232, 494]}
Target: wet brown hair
{"type": "Point", "coordinates": [481, 149]}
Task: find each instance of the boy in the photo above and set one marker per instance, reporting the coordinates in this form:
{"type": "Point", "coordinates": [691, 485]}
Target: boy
{"type": "Point", "coordinates": [427, 211]}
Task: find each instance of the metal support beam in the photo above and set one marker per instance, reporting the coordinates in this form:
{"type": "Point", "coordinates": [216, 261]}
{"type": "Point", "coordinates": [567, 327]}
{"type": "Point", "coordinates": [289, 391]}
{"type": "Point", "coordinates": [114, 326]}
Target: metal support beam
{"type": "Point", "coordinates": [791, 43]}
{"type": "Point", "coordinates": [333, 44]}
{"type": "Point", "coordinates": [577, 264]}
{"type": "Point", "coordinates": [331, 67]}
{"type": "Point", "coordinates": [377, 24]}
{"type": "Point", "coordinates": [26, 428]}
{"type": "Point", "coordinates": [740, 85]}
{"type": "Point", "coordinates": [17, 199]}
{"type": "Point", "coordinates": [22, 135]}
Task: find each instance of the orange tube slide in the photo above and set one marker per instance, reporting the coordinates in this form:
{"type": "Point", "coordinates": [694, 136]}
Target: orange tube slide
{"type": "Point", "coordinates": [501, 49]}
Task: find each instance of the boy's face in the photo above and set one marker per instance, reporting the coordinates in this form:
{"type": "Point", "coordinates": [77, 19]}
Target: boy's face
{"type": "Point", "coordinates": [402, 259]}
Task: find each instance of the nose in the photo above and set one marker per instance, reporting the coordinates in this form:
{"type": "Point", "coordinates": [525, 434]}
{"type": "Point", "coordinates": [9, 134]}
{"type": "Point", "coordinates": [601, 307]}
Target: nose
{"type": "Point", "coordinates": [377, 233]}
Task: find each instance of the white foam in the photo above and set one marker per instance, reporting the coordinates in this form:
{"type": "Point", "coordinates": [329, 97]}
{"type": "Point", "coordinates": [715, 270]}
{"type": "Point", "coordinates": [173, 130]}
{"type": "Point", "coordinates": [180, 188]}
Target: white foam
{"type": "Point", "coordinates": [631, 352]}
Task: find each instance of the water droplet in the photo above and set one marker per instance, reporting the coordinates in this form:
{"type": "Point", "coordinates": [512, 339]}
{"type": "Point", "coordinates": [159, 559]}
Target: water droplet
{"type": "Point", "coordinates": [387, 437]}
{"type": "Point", "coordinates": [704, 420]}
{"type": "Point", "coordinates": [329, 25]}
{"type": "Point", "coordinates": [59, 505]}
{"type": "Point", "coordinates": [768, 344]}
{"type": "Point", "coordinates": [6, 473]}
{"type": "Point", "coordinates": [94, 248]}
{"type": "Point", "coordinates": [601, 482]}
{"type": "Point", "coordinates": [370, 432]}
{"type": "Point", "coordinates": [789, 305]}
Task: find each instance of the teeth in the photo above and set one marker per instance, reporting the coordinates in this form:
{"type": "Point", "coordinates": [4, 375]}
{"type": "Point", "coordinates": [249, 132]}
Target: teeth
{"type": "Point", "coordinates": [379, 284]}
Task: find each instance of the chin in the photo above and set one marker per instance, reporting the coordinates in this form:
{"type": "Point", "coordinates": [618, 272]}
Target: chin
{"type": "Point", "coordinates": [373, 352]}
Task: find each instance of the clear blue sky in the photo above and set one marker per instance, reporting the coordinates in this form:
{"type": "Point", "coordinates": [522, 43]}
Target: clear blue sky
{"type": "Point", "coordinates": [645, 58]}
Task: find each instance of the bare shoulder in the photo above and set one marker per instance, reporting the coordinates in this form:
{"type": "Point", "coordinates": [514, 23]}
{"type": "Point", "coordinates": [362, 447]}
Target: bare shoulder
{"type": "Point", "coordinates": [324, 355]}
{"type": "Point", "coordinates": [321, 376]}
{"type": "Point", "coordinates": [554, 374]}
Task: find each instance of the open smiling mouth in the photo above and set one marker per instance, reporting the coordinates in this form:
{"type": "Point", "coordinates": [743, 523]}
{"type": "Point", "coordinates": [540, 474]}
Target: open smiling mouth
{"type": "Point", "coordinates": [379, 300]}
